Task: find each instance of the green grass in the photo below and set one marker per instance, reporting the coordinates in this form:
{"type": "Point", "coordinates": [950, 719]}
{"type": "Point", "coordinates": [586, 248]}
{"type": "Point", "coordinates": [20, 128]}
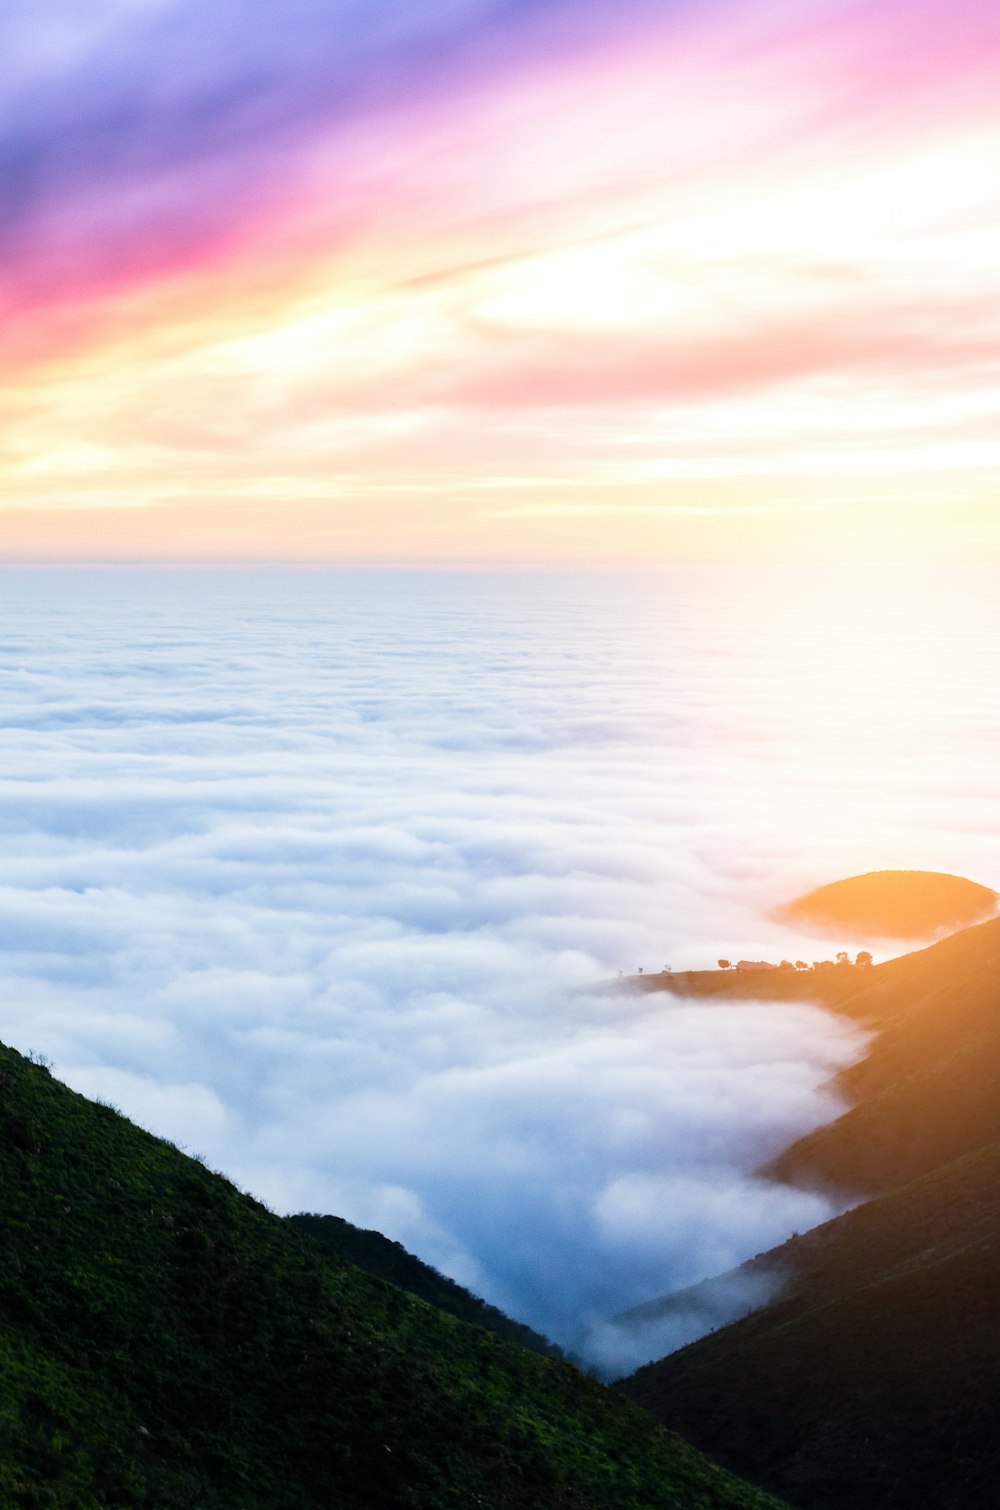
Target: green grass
{"type": "Point", "coordinates": [379, 1255]}
{"type": "Point", "coordinates": [166, 1342]}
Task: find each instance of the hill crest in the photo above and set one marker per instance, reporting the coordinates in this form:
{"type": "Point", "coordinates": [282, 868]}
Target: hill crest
{"type": "Point", "coordinates": [891, 904]}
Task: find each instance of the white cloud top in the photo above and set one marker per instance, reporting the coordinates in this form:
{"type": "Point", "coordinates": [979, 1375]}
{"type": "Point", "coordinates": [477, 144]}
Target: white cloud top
{"type": "Point", "coordinates": [315, 875]}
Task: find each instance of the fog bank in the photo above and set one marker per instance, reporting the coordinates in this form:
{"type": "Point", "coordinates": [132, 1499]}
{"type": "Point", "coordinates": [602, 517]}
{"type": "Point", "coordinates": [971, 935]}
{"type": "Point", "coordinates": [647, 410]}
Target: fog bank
{"type": "Point", "coordinates": [311, 873]}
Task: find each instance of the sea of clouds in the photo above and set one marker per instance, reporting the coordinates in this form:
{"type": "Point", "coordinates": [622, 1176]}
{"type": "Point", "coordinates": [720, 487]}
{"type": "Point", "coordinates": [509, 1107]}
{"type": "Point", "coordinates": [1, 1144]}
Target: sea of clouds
{"type": "Point", "coordinates": [317, 875]}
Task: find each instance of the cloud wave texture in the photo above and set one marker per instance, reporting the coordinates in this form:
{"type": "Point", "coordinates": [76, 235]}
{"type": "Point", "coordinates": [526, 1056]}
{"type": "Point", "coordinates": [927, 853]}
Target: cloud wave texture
{"type": "Point", "coordinates": [314, 873]}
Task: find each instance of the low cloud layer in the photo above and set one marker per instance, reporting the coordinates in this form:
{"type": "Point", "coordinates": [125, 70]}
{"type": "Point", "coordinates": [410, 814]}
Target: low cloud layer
{"type": "Point", "coordinates": [623, 1343]}
{"type": "Point", "coordinates": [315, 875]}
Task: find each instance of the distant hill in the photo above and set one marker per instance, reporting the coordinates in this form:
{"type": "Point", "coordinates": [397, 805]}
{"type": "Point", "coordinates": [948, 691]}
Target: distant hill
{"type": "Point", "coordinates": [893, 904]}
{"type": "Point", "coordinates": [379, 1255]}
{"type": "Point", "coordinates": [166, 1343]}
{"type": "Point", "coordinates": [873, 1377]}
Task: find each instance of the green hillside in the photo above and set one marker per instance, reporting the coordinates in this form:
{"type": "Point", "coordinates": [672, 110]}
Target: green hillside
{"type": "Point", "coordinates": [377, 1254]}
{"type": "Point", "coordinates": [874, 1379]}
{"type": "Point", "coordinates": [167, 1342]}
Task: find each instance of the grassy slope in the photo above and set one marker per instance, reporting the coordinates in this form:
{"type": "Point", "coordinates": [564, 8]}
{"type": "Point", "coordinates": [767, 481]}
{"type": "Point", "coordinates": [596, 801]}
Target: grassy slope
{"type": "Point", "coordinates": [377, 1254]}
{"type": "Point", "coordinates": [166, 1342]}
{"type": "Point", "coordinates": [928, 1090]}
{"type": "Point", "coordinates": [874, 1380]}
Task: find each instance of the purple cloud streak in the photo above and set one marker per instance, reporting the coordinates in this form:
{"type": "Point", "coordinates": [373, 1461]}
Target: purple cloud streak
{"type": "Point", "coordinates": [145, 134]}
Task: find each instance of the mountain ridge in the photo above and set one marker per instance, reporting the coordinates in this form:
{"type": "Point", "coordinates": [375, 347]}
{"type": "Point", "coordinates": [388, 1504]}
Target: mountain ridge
{"type": "Point", "coordinates": [872, 1376]}
{"type": "Point", "coordinates": [380, 1255]}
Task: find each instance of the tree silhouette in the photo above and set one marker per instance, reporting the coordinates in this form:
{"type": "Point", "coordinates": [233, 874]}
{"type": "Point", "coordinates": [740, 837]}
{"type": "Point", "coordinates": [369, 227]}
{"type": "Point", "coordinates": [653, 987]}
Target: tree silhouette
{"type": "Point", "coordinates": [864, 959]}
{"type": "Point", "coordinates": [724, 964]}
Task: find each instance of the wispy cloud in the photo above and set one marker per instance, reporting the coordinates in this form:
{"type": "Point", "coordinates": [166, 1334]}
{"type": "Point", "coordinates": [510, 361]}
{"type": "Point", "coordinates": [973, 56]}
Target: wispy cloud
{"type": "Point", "coordinates": [370, 248]}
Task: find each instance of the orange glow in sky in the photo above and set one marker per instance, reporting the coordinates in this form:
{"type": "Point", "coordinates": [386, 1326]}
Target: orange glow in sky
{"type": "Point", "coordinates": [700, 284]}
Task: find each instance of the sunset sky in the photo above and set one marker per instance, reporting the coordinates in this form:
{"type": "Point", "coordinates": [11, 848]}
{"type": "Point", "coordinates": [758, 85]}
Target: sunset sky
{"type": "Point", "coordinates": [474, 281]}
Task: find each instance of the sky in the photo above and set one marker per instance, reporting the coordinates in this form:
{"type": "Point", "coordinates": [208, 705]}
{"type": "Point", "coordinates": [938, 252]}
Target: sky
{"type": "Point", "coordinates": [319, 874]}
{"type": "Point", "coordinates": [499, 281]}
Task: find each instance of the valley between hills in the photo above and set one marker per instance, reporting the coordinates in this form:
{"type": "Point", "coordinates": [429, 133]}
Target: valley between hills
{"type": "Point", "coordinates": [168, 1342]}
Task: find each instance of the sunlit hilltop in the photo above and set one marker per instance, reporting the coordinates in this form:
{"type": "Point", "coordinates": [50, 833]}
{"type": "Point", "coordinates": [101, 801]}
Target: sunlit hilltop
{"type": "Point", "coordinates": [896, 904]}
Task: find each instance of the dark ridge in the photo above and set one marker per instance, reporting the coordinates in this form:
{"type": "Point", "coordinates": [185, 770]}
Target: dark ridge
{"type": "Point", "coordinates": [874, 1378]}
{"type": "Point", "coordinates": [166, 1343]}
{"type": "Point", "coordinates": [377, 1254]}
{"type": "Point", "coordinates": [838, 987]}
